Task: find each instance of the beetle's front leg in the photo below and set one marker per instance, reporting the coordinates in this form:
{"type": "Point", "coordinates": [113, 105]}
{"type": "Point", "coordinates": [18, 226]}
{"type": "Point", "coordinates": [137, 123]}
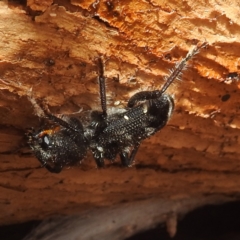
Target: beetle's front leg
{"type": "Point", "coordinates": [143, 96]}
{"type": "Point", "coordinates": [99, 159]}
{"type": "Point", "coordinates": [127, 160]}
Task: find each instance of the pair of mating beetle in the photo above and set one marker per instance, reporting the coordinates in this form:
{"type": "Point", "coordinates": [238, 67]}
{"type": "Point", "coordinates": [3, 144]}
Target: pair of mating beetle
{"type": "Point", "coordinates": [106, 135]}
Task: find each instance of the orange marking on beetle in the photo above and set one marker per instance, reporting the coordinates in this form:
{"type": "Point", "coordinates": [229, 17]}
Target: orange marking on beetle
{"type": "Point", "coordinates": [49, 132]}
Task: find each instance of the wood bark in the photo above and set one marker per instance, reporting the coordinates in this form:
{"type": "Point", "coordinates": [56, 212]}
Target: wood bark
{"type": "Point", "coordinates": [50, 47]}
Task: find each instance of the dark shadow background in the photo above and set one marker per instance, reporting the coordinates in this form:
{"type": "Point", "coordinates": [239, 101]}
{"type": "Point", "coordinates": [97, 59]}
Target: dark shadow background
{"type": "Point", "coordinates": [220, 222]}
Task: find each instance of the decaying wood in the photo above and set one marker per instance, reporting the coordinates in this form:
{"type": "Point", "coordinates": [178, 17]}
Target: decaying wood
{"type": "Point", "coordinates": [51, 47]}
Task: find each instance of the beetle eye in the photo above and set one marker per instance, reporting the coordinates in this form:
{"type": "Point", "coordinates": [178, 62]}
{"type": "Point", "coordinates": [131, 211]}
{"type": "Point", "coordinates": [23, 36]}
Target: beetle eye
{"type": "Point", "coordinates": [45, 142]}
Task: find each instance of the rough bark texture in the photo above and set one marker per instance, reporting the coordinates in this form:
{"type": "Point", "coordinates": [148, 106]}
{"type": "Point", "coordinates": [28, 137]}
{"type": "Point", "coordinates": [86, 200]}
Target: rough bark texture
{"type": "Point", "coordinates": [196, 154]}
